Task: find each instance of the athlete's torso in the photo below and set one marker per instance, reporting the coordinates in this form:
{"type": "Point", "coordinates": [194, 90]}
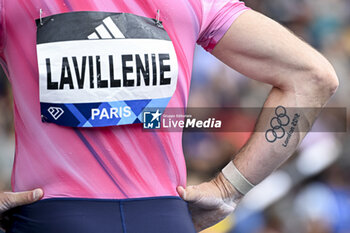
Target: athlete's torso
{"type": "Point", "coordinates": [111, 162]}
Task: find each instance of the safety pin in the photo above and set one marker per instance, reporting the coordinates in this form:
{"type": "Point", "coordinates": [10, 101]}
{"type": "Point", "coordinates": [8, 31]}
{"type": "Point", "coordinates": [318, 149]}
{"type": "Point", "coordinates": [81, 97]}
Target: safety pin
{"type": "Point", "coordinates": [158, 23]}
{"type": "Point", "coordinates": [41, 18]}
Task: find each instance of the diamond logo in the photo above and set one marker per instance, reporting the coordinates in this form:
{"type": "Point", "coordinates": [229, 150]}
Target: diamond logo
{"type": "Point", "coordinates": [55, 112]}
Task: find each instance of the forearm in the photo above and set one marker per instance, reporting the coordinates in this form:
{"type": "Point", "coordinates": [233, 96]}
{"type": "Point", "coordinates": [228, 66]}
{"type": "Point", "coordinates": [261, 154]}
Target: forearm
{"type": "Point", "coordinates": [267, 148]}
{"type": "Point", "coordinates": [302, 79]}
{"type": "Point", "coordinates": [296, 109]}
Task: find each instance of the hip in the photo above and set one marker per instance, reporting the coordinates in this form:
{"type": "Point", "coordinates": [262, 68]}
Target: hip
{"type": "Point", "coordinates": [71, 215]}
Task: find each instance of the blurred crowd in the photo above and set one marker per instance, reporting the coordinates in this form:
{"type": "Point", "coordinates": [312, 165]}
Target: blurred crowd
{"type": "Point", "coordinates": [310, 193]}
{"type": "Point", "coordinates": [7, 139]}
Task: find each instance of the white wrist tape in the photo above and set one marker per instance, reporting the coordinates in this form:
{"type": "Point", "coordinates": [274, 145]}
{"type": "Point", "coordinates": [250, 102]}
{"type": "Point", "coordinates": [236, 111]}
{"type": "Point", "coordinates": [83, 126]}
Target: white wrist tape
{"type": "Point", "coordinates": [236, 178]}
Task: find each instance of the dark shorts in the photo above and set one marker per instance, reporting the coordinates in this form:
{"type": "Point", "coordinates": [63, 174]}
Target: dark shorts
{"type": "Point", "coordinates": [145, 215]}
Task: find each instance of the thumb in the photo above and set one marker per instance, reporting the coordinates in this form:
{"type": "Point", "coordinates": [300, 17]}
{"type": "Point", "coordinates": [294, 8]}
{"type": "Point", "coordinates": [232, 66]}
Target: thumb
{"type": "Point", "coordinates": [12, 200]}
{"type": "Point", "coordinates": [181, 191]}
{"type": "Point", "coordinates": [191, 193]}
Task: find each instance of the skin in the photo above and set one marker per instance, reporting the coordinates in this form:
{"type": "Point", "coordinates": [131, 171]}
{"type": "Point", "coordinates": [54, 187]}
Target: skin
{"type": "Point", "coordinates": [263, 50]}
{"type": "Point", "coordinates": [9, 200]}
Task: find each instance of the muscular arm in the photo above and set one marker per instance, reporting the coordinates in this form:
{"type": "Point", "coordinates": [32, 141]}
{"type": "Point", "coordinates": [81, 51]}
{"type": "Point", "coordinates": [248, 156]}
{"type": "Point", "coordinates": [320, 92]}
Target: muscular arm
{"type": "Point", "coordinates": [301, 78]}
{"type": "Point", "coordinates": [261, 49]}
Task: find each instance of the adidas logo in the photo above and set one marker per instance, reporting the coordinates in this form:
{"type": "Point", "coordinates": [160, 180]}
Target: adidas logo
{"type": "Point", "coordinates": [55, 112]}
{"type": "Point", "coordinates": [107, 30]}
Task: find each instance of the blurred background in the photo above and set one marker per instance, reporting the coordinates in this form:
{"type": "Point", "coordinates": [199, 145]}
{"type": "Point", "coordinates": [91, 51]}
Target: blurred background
{"type": "Point", "coordinates": [310, 193]}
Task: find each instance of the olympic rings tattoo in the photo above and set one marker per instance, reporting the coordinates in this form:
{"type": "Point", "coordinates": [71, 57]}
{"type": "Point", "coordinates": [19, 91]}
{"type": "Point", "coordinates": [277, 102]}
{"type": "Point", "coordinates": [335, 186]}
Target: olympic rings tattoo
{"type": "Point", "coordinates": [277, 131]}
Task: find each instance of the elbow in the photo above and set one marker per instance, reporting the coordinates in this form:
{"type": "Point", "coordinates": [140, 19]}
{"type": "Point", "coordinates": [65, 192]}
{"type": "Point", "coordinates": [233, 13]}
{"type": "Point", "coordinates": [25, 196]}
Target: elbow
{"type": "Point", "coordinates": [326, 80]}
{"type": "Point", "coordinates": [322, 81]}
{"type": "Point", "coordinates": [334, 82]}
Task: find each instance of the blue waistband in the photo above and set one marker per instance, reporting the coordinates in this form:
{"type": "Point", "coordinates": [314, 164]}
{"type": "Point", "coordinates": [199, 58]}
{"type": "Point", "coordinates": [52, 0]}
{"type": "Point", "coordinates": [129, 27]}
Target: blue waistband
{"type": "Point", "coordinates": [75, 215]}
{"type": "Point", "coordinates": [110, 200]}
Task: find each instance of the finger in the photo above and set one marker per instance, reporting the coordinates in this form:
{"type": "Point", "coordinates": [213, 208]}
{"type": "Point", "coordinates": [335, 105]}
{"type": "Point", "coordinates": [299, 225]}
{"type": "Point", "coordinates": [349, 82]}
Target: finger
{"type": "Point", "coordinates": [181, 191]}
{"type": "Point", "coordinates": [23, 198]}
{"type": "Point", "coordinates": [190, 194]}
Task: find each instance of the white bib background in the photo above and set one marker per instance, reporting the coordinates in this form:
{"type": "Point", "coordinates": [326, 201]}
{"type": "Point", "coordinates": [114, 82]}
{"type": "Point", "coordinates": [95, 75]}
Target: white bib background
{"type": "Point", "coordinates": [104, 48]}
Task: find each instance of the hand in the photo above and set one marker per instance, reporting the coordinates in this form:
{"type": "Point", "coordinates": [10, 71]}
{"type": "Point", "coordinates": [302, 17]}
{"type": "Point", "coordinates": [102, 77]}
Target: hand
{"type": "Point", "coordinates": [210, 202]}
{"type": "Point", "coordinates": [9, 200]}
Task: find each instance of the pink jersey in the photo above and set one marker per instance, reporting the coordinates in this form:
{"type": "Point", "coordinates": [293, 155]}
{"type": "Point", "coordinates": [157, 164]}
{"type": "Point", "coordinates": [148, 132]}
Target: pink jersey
{"type": "Point", "coordinates": [113, 162]}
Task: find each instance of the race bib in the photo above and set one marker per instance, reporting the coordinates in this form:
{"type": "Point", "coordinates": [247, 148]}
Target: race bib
{"type": "Point", "coordinates": [102, 69]}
